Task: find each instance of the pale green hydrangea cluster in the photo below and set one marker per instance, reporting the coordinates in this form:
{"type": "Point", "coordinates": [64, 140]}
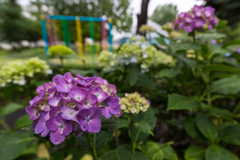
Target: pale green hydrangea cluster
{"type": "Point", "coordinates": [129, 53]}
{"type": "Point", "coordinates": [146, 28]}
{"type": "Point", "coordinates": [60, 51]}
{"type": "Point", "coordinates": [134, 103]}
{"type": "Point", "coordinates": [149, 57]}
{"type": "Point", "coordinates": [137, 50]}
{"type": "Point", "coordinates": [168, 27]}
{"type": "Point", "coordinates": [107, 60]}
{"type": "Point", "coordinates": [171, 32]}
{"type": "Point", "coordinates": [16, 71]}
{"type": "Point", "coordinates": [137, 39]}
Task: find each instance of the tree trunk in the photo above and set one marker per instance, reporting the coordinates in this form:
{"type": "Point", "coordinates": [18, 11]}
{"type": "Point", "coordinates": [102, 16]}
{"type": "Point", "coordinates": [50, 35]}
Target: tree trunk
{"type": "Point", "coordinates": [142, 17]}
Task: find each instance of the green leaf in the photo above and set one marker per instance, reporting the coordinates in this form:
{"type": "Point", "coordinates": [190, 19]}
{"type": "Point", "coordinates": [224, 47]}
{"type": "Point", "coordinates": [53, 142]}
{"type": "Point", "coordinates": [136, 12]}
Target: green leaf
{"type": "Point", "coordinates": [217, 112]}
{"type": "Point", "coordinates": [236, 42]}
{"type": "Point", "coordinates": [179, 102]}
{"type": "Point", "coordinates": [223, 126]}
{"type": "Point", "coordinates": [133, 73]}
{"type": "Point", "coordinates": [147, 117]}
{"type": "Point", "coordinates": [216, 152]}
{"type": "Point", "coordinates": [210, 36]}
{"type": "Point", "coordinates": [221, 24]}
{"type": "Point", "coordinates": [153, 151]}
{"type": "Point", "coordinates": [206, 126]}
{"type": "Point", "coordinates": [184, 46]}
{"type": "Point", "coordinates": [219, 96]}
{"type": "Point", "coordinates": [102, 139]}
{"type": "Point", "coordinates": [145, 81]}
{"type": "Point", "coordinates": [144, 127]}
{"type": "Point", "coordinates": [13, 144]}
{"type": "Point", "coordinates": [111, 125]}
{"type": "Point", "coordinates": [235, 55]}
{"type": "Point", "coordinates": [23, 122]}
{"type": "Point", "coordinates": [161, 35]}
{"type": "Point", "coordinates": [216, 49]}
{"type": "Point", "coordinates": [110, 155]}
{"type": "Point", "coordinates": [229, 85]}
{"type": "Point", "coordinates": [220, 75]}
{"type": "Point", "coordinates": [195, 153]}
{"type": "Point", "coordinates": [168, 152]}
{"type": "Point", "coordinates": [189, 62]}
{"type": "Point", "coordinates": [124, 153]}
{"type": "Point", "coordinates": [191, 128]}
{"type": "Point", "coordinates": [33, 149]}
{"type": "Point", "coordinates": [168, 73]}
{"type": "Point", "coordinates": [85, 72]}
{"type": "Point", "coordinates": [220, 113]}
{"type": "Point", "coordinates": [10, 108]}
{"type": "Point", "coordinates": [161, 41]}
{"type": "Point", "coordinates": [218, 67]}
{"type": "Point", "coordinates": [28, 129]}
{"type": "Point", "coordinates": [231, 134]}
{"type": "Point", "coordinates": [123, 121]}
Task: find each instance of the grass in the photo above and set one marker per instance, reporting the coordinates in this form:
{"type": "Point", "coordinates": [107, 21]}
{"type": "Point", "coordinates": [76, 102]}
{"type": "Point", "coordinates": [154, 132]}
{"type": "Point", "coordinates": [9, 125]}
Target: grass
{"type": "Point", "coordinates": [6, 56]}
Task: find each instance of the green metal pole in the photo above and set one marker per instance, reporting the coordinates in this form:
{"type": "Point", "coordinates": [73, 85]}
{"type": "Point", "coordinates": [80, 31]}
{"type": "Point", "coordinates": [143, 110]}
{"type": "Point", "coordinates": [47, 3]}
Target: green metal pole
{"type": "Point", "coordinates": [68, 34]}
{"type": "Point", "coordinates": [92, 37]}
{"type": "Point", "coordinates": [64, 29]}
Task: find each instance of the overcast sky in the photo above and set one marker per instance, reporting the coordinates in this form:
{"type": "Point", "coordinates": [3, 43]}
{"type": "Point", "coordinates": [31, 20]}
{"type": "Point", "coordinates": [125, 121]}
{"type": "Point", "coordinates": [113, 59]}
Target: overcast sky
{"type": "Point", "coordinates": [183, 5]}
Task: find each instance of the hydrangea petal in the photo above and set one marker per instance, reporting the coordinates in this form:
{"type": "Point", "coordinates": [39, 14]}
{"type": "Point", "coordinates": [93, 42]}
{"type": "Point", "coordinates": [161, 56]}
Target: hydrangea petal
{"type": "Point", "coordinates": [33, 112]}
{"type": "Point", "coordinates": [94, 125]}
{"type": "Point", "coordinates": [56, 138]}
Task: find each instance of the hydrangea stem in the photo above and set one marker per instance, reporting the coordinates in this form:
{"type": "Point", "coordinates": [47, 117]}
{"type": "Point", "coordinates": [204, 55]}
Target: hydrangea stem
{"type": "Point", "coordinates": [209, 100]}
{"type": "Point", "coordinates": [196, 54]}
{"type": "Point", "coordinates": [61, 60]}
{"type": "Point", "coordinates": [92, 148]}
{"type": "Point", "coordinates": [235, 111]}
{"type": "Point", "coordinates": [115, 133]}
{"type": "Point", "coordinates": [5, 126]}
{"type": "Point", "coordinates": [194, 36]}
{"type": "Point", "coordinates": [132, 139]}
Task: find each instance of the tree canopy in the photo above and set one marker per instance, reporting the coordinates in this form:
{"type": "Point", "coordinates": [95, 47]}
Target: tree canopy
{"type": "Point", "coordinates": [165, 13]}
{"type": "Point", "coordinates": [14, 27]}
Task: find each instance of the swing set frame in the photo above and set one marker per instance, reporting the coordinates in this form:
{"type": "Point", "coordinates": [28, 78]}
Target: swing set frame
{"type": "Point", "coordinates": [48, 31]}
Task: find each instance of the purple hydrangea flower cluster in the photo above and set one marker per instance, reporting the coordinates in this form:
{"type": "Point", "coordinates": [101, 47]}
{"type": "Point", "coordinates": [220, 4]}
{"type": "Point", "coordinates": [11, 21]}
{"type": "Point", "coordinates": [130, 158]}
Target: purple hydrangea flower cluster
{"type": "Point", "coordinates": [72, 105]}
{"type": "Point", "coordinates": [196, 19]}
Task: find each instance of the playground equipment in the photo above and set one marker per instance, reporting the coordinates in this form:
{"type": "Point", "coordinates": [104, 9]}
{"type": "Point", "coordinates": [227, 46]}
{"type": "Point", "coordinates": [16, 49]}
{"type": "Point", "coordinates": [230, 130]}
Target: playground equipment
{"type": "Point", "coordinates": [49, 31]}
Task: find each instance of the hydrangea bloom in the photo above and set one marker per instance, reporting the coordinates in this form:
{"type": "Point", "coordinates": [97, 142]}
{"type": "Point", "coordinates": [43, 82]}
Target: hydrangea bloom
{"type": "Point", "coordinates": [134, 103]}
{"type": "Point", "coordinates": [17, 71]}
{"type": "Point", "coordinates": [148, 58]}
{"type": "Point", "coordinates": [129, 53]}
{"type": "Point", "coordinates": [107, 60]}
{"type": "Point", "coordinates": [196, 19]}
{"type": "Point", "coordinates": [72, 105]}
{"type": "Point", "coordinates": [137, 50]}
{"type": "Point", "coordinates": [138, 39]}
{"type": "Point", "coordinates": [167, 27]}
{"type": "Point", "coordinates": [145, 29]}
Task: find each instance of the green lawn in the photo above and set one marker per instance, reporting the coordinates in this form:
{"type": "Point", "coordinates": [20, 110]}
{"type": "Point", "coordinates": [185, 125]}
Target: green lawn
{"type": "Point", "coordinates": [6, 56]}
